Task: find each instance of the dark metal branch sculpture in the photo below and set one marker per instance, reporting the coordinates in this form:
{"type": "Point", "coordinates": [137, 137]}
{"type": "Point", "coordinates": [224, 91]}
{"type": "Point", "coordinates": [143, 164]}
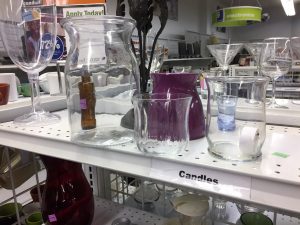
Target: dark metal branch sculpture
{"type": "Point", "coordinates": [163, 17]}
{"type": "Point", "coordinates": [142, 12]}
{"type": "Point", "coordinates": [120, 11]}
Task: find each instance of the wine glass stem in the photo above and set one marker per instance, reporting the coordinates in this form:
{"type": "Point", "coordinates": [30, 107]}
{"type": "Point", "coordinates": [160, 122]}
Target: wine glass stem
{"type": "Point", "coordinates": [273, 90]}
{"type": "Point", "coordinates": [35, 93]}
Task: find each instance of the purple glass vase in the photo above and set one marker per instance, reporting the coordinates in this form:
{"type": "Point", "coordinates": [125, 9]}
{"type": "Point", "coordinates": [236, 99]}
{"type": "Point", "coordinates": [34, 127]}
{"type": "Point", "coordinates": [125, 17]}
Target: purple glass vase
{"type": "Point", "coordinates": [183, 83]}
{"type": "Point", "coordinates": [67, 197]}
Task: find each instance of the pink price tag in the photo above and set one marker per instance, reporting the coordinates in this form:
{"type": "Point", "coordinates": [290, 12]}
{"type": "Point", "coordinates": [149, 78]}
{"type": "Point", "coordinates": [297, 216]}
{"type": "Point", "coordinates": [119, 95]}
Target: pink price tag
{"type": "Point", "coordinates": [83, 104]}
{"type": "Point", "coordinates": [52, 218]}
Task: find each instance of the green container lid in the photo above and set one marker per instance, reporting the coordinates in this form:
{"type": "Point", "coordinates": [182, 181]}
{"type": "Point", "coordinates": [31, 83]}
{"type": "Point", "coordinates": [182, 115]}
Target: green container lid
{"type": "Point", "coordinates": [253, 218]}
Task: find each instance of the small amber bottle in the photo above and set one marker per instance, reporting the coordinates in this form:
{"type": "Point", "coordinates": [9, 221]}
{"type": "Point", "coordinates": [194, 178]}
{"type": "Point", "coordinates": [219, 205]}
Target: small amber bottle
{"type": "Point", "coordinates": [87, 102]}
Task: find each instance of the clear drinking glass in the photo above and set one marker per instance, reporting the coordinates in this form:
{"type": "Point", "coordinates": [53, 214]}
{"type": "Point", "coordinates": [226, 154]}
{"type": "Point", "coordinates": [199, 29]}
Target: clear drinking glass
{"type": "Point", "coordinates": [219, 208]}
{"type": "Point", "coordinates": [161, 122]}
{"type": "Point", "coordinates": [276, 61]}
{"type": "Point", "coordinates": [226, 115]}
{"type": "Point", "coordinates": [182, 69]}
{"type": "Point", "coordinates": [29, 34]}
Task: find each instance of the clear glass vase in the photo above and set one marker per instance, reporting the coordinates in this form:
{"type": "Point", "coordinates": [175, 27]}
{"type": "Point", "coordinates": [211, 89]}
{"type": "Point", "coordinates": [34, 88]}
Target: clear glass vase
{"type": "Point", "coordinates": [235, 125]}
{"type": "Point", "coordinates": [101, 74]}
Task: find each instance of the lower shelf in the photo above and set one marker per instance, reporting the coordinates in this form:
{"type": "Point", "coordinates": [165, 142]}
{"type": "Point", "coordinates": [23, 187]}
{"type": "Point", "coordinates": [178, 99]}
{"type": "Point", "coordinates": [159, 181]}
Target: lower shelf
{"type": "Point", "coordinates": [107, 211]}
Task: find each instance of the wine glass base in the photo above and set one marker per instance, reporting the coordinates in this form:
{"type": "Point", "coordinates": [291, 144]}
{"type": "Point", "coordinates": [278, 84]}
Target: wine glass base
{"type": "Point", "coordinates": [36, 119]}
{"type": "Point", "coordinates": [296, 102]}
{"type": "Point", "coordinates": [252, 101]}
{"type": "Point", "coordinates": [276, 106]}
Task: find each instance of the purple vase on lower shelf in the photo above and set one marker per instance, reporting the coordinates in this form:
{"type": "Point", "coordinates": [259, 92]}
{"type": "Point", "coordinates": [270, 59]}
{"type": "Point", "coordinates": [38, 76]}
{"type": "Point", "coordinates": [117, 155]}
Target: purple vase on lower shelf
{"type": "Point", "coordinates": [67, 197]}
{"type": "Point", "coordinates": [183, 83]}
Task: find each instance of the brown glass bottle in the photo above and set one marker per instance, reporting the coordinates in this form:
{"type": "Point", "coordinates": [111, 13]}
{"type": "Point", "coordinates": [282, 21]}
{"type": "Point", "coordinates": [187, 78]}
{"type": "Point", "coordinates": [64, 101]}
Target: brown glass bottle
{"type": "Point", "coordinates": [87, 102]}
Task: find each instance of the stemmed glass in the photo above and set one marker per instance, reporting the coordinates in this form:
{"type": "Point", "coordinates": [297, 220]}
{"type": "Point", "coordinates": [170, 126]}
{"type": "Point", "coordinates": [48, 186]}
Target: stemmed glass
{"type": "Point", "coordinates": [224, 54]}
{"type": "Point", "coordinates": [276, 61]}
{"type": "Point", "coordinates": [254, 48]}
{"type": "Point", "coordinates": [295, 43]}
{"type": "Point", "coordinates": [28, 32]}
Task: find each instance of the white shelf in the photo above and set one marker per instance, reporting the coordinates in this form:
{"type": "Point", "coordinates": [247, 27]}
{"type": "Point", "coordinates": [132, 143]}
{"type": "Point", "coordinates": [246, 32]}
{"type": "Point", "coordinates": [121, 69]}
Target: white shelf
{"type": "Point", "coordinates": [271, 180]}
{"type": "Point", "coordinates": [195, 62]}
{"type": "Point", "coordinates": [13, 66]}
{"type": "Point", "coordinates": [236, 67]}
{"type": "Point", "coordinates": [278, 116]}
{"type": "Point", "coordinates": [17, 108]}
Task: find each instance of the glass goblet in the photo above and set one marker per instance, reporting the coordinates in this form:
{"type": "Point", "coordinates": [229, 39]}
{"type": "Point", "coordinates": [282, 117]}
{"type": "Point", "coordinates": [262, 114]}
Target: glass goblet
{"type": "Point", "coordinates": [224, 54]}
{"type": "Point", "coordinates": [28, 33]}
{"type": "Point", "coordinates": [254, 48]}
{"type": "Point", "coordinates": [295, 44]}
{"type": "Point", "coordinates": [276, 61]}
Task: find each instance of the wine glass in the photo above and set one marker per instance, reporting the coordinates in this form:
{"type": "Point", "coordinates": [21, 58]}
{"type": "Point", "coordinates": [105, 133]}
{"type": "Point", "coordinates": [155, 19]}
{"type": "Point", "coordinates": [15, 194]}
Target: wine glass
{"type": "Point", "coordinates": [276, 61]}
{"type": "Point", "coordinates": [28, 33]}
{"type": "Point", "coordinates": [254, 48]}
{"type": "Point", "coordinates": [224, 54]}
{"type": "Point", "coordinates": [295, 43]}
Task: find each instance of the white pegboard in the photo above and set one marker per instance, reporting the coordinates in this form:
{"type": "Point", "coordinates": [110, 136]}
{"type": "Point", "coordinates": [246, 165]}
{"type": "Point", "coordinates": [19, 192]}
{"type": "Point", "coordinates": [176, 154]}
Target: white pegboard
{"type": "Point", "coordinates": [106, 212]}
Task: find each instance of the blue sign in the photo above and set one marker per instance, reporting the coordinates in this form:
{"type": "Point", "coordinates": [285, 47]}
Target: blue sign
{"type": "Point", "coordinates": [220, 15]}
{"type": "Point", "coordinates": [47, 45]}
{"type": "Point", "coordinates": [59, 49]}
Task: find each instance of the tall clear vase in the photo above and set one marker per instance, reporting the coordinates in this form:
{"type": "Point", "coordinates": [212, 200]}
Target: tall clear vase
{"type": "Point", "coordinates": [102, 76]}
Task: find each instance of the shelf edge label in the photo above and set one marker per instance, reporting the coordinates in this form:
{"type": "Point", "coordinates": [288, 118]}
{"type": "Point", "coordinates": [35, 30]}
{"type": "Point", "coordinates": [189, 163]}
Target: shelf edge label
{"type": "Point", "coordinates": [202, 178]}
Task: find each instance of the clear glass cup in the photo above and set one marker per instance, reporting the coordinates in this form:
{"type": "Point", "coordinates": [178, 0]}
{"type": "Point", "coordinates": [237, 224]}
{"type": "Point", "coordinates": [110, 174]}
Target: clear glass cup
{"type": "Point", "coordinates": [276, 61]}
{"type": "Point", "coordinates": [161, 122]}
{"type": "Point", "coordinates": [236, 129]}
{"type": "Point", "coordinates": [191, 209]}
{"type": "Point", "coordinates": [226, 112]}
{"type": "Point", "coordinates": [219, 208]}
{"type": "Point", "coordinates": [182, 69]}
{"type": "Point", "coordinates": [146, 196]}
{"type": "Point", "coordinates": [243, 208]}
{"type": "Point", "coordinates": [101, 76]}
{"type": "Point", "coordinates": [29, 35]}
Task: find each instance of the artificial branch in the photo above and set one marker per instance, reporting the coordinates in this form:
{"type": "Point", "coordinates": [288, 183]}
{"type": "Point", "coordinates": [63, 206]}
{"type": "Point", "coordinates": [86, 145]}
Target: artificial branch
{"type": "Point", "coordinates": [142, 12]}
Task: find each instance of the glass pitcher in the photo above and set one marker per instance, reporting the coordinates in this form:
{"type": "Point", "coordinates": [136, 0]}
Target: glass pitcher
{"type": "Point", "coordinates": [101, 74]}
{"type": "Point", "coordinates": [236, 116]}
